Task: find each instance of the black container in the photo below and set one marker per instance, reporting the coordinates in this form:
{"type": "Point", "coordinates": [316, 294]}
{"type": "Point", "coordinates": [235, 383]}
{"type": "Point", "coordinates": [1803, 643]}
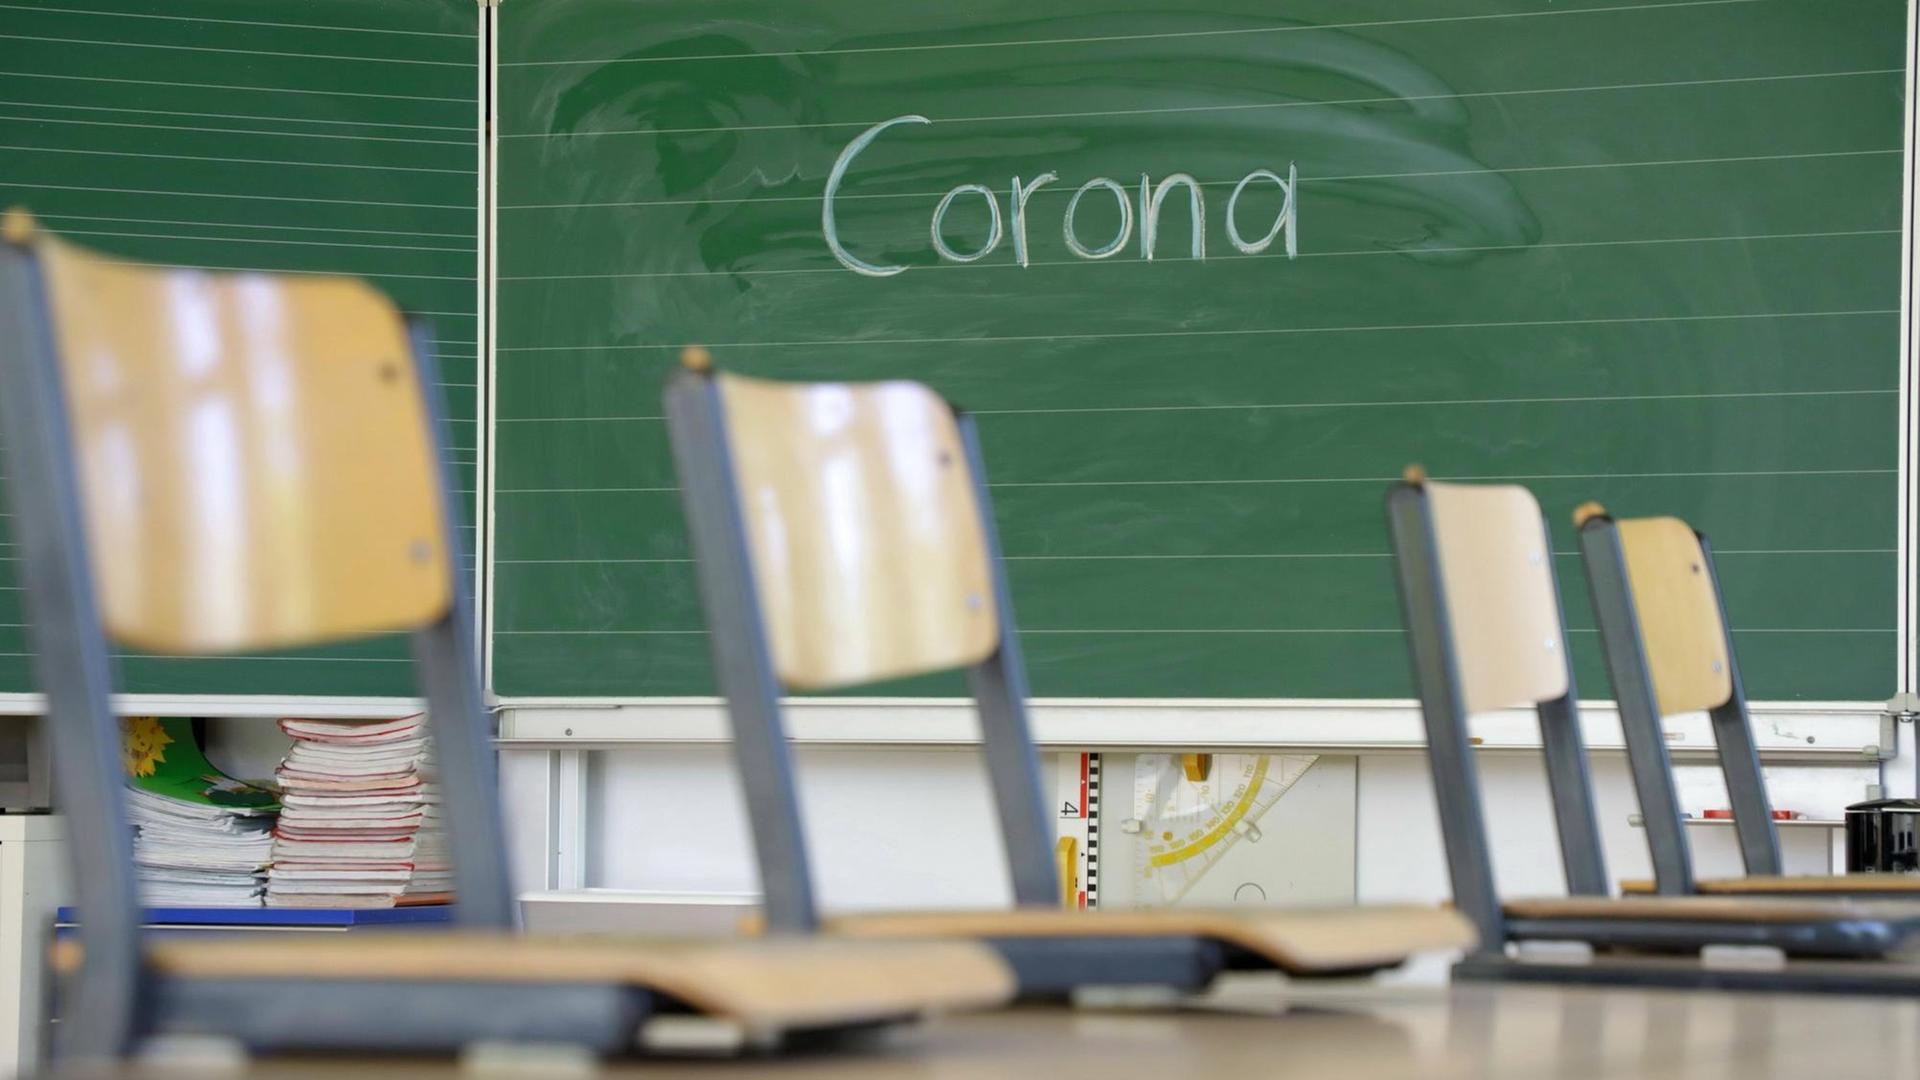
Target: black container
{"type": "Point", "coordinates": [1883, 837]}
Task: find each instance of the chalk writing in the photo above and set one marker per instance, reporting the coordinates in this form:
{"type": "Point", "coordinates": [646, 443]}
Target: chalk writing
{"type": "Point", "coordinates": [1126, 219]}
{"type": "Point", "coordinates": [1152, 196]}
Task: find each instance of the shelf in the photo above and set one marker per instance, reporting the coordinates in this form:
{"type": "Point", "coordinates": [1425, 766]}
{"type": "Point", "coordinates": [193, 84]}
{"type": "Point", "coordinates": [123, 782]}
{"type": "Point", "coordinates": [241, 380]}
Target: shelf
{"type": "Point", "coordinates": [285, 918]}
{"type": "Point", "coordinates": [1639, 822]}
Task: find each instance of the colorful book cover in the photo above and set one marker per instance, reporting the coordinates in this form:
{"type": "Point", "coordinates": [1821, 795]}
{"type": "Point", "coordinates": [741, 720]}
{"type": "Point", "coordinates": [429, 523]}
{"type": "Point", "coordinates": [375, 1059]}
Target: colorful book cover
{"type": "Point", "coordinates": [163, 757]}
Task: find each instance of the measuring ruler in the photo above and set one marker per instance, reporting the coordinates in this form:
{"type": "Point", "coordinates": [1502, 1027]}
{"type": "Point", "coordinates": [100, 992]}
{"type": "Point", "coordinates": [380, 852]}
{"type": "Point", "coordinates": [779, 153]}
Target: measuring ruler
{"type": "Point", "coordinates": [1077, 843]}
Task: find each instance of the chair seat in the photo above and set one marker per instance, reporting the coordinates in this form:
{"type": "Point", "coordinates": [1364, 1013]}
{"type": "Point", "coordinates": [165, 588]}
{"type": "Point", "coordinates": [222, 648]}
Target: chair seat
{"type": "Point", "coordinates": [1298, 942]}
{"type": "Point", "coordinates": [1722, 909]}
{"type": "Point", "coordinates": [1799, 884]}
{"type": "Point", "coordinates": [1811, 927]}
{"type": "Point", "coordinates": [763, 985]}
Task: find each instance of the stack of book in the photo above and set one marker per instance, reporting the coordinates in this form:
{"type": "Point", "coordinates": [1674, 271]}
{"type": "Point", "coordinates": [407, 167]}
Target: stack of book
{"type": "Point", "coordinates": [361, 824]}
{"type": "Point", "coordinates": [201, 838]}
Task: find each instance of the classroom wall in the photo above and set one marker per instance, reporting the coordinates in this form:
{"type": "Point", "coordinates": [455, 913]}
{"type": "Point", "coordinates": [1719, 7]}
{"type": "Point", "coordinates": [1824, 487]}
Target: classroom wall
{"type": "Point", "coordinates": [895, 828]}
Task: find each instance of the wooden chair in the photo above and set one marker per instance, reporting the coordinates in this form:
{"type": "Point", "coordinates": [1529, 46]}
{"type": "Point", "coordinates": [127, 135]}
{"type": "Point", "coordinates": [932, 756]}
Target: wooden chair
{"type": "Point", "coordinates": [843, 536]}
{"type": "Point", "coordinates": [204, 463]}
{"type": "Point", "coordinates": [1663, 626]}
{"type": "Point", "coordinates": [1482, 608]}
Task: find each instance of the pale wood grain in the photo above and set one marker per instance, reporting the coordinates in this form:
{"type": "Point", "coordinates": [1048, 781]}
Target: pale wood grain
{"type": "Point", "coordinates": [1709, 908]}
{"type": "Point", "coordinates": [1846, 884]}
{"type": "Point", "coordinates": [863, 528]}
{"type": "Point", "coordinates": [253, 454]}
{"type": "Point", "coordinates": [772, 983]}
{"type": "Point", "coordinates": [1496, 570]}
{"type": "Point", "coordinates": [1301, 941]}
{"type": "Point", "coordinates": [1680, 628]}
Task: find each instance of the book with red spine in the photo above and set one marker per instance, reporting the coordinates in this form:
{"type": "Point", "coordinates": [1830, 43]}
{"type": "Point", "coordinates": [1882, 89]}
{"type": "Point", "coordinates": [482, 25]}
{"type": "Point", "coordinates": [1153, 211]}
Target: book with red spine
{"type": "Point", "coordinates": [360, 822]}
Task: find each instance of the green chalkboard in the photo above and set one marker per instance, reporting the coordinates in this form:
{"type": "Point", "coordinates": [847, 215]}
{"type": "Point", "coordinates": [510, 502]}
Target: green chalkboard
{"type": "Point", "coordinates": [309, 135]}
{"type": "Point", "coordinates": [1647, 253]}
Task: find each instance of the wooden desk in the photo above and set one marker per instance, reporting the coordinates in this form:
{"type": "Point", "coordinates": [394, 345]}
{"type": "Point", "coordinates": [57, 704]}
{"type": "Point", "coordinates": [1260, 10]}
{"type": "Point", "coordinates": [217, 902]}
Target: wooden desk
{"type": "Point", "coordinates": [1259, 1028]}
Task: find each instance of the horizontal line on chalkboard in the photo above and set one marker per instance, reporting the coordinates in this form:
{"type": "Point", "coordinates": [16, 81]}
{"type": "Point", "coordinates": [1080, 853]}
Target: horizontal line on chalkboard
{"type": "Point", "coordinates": [321, 273]}
{"type": "Point", "coordinates": [237, 22]}
{"type": "Point", "coordinates": [1257, 332]}
{"type": "Point", "coordinates": [247, 225]}
{"type": "Point", "coordinates": [541, 633]}
{"type": "Point", "coordinates": [224, 659]}
{"type": "Point", "coordinates": [467, 171]}
{"type": "Point", "coordinates": [303, 659]}
{"type": "Point", "coordinates": [469, 128]}
{"type": "Point", "coordinates": [466, 208]}
{"type": "Point", "coordinates": [1712, 396]}
{"type": "Point", "coordinates": [222, 86]}
{"type": "Point", "coordinates": [268, 240]}
{"type": "Point", "coordinates": [238, 131]}
{"type": "Point", "coordinates": [1503, 169]}
{"type": "Point", "coordinates": [1251, 106]}
{"type": "Point", "coordinates": [468, 63]}
{"type": "Point", "coordinates": [1191, 261]}
{"type": "Point", "coordinates": [1193, 630]}
{"type": "Point", "coordinates": [1377, 480]}
{"type": "Point", "coordinates": [1179, 557]}
{"type": "Point", "coordinates": [1396, 630]}
{"type": "Point", "coordinates": [1164, 36]}
{"type": "Point", "coordinates": [1718, 553]}
{"type": "Point", "coordinates": [1282, 480]}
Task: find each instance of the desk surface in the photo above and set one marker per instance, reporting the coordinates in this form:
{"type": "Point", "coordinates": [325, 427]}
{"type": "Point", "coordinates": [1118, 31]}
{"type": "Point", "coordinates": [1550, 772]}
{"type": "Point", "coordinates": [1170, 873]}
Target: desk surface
{"type": "Point", "coordinates": [1255, 1030]}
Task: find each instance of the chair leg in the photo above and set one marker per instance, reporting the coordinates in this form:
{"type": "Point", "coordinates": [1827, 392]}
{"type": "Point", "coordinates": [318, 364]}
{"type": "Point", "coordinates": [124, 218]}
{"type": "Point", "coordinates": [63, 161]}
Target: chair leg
{"type": "Point", "coordinates": [1647, 756]}
{"type": "Point", "coordinates": [999, 685]}
{"type": "Point", "coordinates": [71, 663]}
{"type": "Point", "coordinates": [1013, 771]}
{"type": "Point", "coordinates": [1571, 786]}
{"type": "Point", "coordinates": [742, 664]}
{"type": "Point", "coordinates": [449, 676]}
{"type": "Point", "coordinates": [1565, 749]}
{"type": "Point", "coordinates": [1746, 786]}
{"type": "Point", "coordinates": [1463, 823]}
{"type": "Point", "coordinates": [469, 780]}
{"type": "Point", "coordinates": [1740, 756]}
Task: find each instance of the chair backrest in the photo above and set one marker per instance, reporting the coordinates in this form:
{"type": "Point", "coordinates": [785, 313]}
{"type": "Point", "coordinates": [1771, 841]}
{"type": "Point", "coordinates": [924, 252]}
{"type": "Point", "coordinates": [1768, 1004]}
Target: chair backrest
{"type": "Point", "coordinates": [842, 536]}
{"type": "Point", "coordinates": [1681, 632]}
{"type": "Point", "coordinates": [255, 461]}
{"type": "Point", "coordinates": [1484, 631]}
{"type": "Point", "coordinates": [863, 528]}
{"type": "Point", "coordinates": [207, 462]}
{"type": "Point", "coordinates": [1496, 570]}
{"type": "Point", "coordinates": [1663, 630]}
